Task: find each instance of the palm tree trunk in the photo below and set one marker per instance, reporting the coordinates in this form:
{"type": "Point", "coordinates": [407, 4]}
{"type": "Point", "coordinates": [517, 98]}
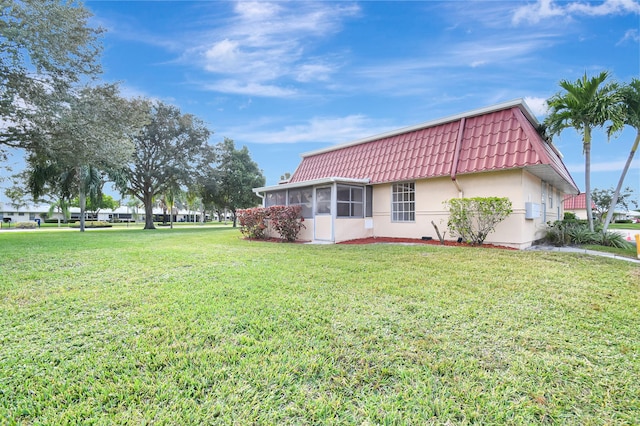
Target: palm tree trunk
{"type": "Point", "coordinates": [616, 194]}
{"type": "Point", "coordinates": [587, 175]}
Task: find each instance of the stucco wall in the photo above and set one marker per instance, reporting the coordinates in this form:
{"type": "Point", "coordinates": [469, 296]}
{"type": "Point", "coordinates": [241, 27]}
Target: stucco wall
{"type": "Point", "coordinates": [351, 229]}
{"type": "Point", "coordinates": [516, 231]}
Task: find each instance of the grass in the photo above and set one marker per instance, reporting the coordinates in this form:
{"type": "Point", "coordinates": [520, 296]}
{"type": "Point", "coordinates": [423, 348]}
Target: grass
{"type": "Point", "coordinates": [630, 252]}
{"type": "Point", "coordinates": [624, 226]}
{"type": "Point", "coordinates": [197, 326]}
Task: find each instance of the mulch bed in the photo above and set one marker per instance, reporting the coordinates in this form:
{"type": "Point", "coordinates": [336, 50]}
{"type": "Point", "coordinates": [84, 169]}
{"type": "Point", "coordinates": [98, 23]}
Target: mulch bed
{"type": "Point", "coordinates": [390, 240]}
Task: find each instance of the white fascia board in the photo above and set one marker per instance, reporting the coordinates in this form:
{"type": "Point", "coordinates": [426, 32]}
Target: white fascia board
{"type": "Point", "coordinates": [314, 182]}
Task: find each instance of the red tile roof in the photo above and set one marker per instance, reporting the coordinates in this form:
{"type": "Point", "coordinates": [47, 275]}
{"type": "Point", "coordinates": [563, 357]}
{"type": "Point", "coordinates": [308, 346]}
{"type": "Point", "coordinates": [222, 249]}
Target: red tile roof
{"type": "Point", "coordinates": [576, 202]}
{"type": "Point", "coordinates": [490, 139]}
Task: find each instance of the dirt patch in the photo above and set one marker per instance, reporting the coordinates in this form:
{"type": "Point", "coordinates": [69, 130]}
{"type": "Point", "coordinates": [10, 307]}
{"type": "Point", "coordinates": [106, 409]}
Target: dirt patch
{"type": "Point", "coordinates": [390, 240]}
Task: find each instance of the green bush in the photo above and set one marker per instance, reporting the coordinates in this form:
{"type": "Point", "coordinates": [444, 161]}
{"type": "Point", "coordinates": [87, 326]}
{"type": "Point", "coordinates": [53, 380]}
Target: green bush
{"type": "Point", "coordinates": [613, 239]}
{"type": "Point", "coordinates": [472, 219]}
{"type": "Point", "coordinates": [26, 225]}
{"type": "Point", "coordinates": [570, 216]}
{"type": "Point", "coordinates": [623, 221]}
{"type": "Point", "coordinates": [285, 220]}
{"type": "Point", "coordinates": [93, 224]}
{"type": "Point", "coordinates": [572, 232]}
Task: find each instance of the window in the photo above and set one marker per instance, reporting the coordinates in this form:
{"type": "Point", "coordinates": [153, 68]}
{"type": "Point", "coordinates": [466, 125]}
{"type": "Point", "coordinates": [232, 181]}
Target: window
{"type": "Point", "coordinates": [301, 197]}
{"type": "Point", "coordinates": [323, 201]}
{"type": "Point", "coordinates": [403, 202]}
{"type": "Point", "coordinates": [278, 198]}
{"type": "Point", "coordinates": [350, 201]}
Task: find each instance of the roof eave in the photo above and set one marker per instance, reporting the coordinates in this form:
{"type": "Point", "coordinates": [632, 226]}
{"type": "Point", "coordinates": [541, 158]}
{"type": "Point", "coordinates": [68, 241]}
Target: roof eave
{"type": "Point", "coordinates": [313, 182]}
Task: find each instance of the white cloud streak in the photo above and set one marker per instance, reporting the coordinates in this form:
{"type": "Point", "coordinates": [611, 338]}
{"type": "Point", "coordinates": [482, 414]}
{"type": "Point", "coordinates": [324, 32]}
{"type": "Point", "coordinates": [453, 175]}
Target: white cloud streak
{"type": "Point", "coordinates": [265, 45]}
{"type": "Point", "coordinates": [318, 129]}
{"type": "Point", "coordinates": [546, 9]}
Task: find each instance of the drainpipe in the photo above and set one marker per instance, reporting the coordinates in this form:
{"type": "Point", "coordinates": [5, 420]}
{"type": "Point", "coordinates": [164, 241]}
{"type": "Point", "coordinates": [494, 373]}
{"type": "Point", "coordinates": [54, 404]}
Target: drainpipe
{"type": "Point", "coordinates": [261, 196]}
{"type": "Point", "coordinates": [456, 157]}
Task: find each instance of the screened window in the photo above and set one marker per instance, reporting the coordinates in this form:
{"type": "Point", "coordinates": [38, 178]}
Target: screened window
{"type": "Point", "coordinates": [301, 197]}
{"type": "Point", "coordinates": [403, 202]}
{"type": "Point", "coordinates": [350, 201]}
{"type": "Point", "coordinates": [323, 201]}
{"type": "Point", "coordinates": [278, 198]}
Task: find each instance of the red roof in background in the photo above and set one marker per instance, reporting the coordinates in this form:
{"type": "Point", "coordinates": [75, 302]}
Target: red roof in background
{"type": "Point", "coordinates": [492, 140]}
{"type": "Point", "coordinates": [576, 202]}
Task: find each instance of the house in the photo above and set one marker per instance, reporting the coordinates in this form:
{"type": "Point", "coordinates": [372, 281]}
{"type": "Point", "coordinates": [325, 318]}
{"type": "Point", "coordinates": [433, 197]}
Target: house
{"type": "Point", "coordinates": [577, 204]}
{"type": "Point", "coordinates": [395, 184]}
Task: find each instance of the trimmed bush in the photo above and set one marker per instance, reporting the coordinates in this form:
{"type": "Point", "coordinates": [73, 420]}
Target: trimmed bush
{"type": "Point", "coordinates": [93, 224]}
{"type": "Point", "coordinates": [253, 222]}
{"type": "Point", "coordinates": [26, 225]}
{"type": "Point", "coordinates": [472, 219]}
{"type": "Point", "coordinates": [285, 220]}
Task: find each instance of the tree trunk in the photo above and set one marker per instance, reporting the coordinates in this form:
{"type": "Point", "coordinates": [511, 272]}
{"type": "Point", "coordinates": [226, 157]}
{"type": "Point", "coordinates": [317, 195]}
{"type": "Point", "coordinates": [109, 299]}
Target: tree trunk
{"type": "Point", "coordinates": [82, 197]}
{"type": "Point", "coordinates": [587, 175]}
{"type": "Point", "coordinates": [148, 211]}
{"type": "Point", "coordinates": [616, 194]}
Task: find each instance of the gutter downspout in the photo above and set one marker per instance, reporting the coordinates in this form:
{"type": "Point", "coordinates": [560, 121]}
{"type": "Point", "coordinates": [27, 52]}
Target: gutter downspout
{"type": "Point", "coordinates": [456, 157]}
{"type": "Point", "coordinates": [261, 196]}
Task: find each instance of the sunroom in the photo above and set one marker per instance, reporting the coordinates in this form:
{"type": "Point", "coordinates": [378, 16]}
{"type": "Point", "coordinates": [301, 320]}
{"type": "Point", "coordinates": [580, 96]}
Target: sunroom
{"type": "Point", "coordinates": [334, 209]}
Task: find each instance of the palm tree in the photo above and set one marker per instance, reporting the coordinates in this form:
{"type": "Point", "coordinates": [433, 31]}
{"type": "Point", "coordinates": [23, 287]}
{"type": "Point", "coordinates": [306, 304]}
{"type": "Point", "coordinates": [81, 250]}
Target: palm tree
{"type": "Point", "coordinates": [584, 105]}
{"type": "Point", "coordinates": [631, 95]}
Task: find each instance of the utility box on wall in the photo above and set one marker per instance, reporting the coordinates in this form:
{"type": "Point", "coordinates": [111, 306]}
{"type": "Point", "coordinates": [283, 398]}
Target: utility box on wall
{"type": "Point", "coordinates": [531, 210]}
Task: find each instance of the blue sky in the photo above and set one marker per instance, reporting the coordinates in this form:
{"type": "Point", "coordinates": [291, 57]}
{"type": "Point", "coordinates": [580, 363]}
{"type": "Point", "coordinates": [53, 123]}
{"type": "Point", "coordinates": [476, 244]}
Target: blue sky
{"type": "Point", "coordinates": [284, 78]}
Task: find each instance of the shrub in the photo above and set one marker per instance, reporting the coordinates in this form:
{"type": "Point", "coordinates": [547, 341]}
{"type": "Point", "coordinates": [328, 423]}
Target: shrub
{"type": "Point", "coordinates": [26, 225]}
{"type": "Point", "coordinates": [613, 239]}
{"type": "Point", "coordinates": [287, 221]}
{"type": "Point", "coordinates": [93, 224]}
{"type": "Point", "coordinates": [581, 234]}
{"type": "Point", "coordinates": [253, 222]}
{"type": "Point", "coordinates": [570, 216]}
{"type": "Point", "coordinates": [474, 218]}
{"type": "Point", "coordinates": [624, 221]}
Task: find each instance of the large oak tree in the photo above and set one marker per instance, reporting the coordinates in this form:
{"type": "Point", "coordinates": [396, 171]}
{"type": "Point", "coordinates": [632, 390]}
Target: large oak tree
{"type": "Point", "coordinates": [170, 151]}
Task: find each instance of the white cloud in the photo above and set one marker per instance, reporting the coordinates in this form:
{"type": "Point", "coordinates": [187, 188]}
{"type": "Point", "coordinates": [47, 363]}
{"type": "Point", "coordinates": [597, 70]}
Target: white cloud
{"type": "Point", "coordinates": [545, 9]}
{"type": "Point", "coordinates": [250, 88]}
{"type": "Point", "coordinates": [631, 35]}
{"type": "Point", "coordinates": [533, 13]}
{"type": "Point", "coordinates": [317, 129]}
{"type": "Point", "coordinates": [265, 45]}
{"type": "Point", "coordinates": [537, 105]}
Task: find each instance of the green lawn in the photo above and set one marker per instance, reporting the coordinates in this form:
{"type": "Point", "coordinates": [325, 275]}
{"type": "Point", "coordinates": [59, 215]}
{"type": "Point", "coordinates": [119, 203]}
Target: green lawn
{"type": "Point", "coordinates": [624, 226]}
{"type": "Point", "coordinates": [197, 326]}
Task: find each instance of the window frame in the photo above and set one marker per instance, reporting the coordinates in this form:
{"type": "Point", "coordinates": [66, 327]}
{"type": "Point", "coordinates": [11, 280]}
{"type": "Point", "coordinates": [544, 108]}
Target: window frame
{"type": "Point", "coordinates": [403, 202]}
{"type": "Point", "coordinates": [354, 206]}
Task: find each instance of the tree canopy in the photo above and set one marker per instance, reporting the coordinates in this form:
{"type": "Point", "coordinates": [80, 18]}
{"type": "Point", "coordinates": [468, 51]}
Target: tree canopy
{"type": "Point", "coordinates": [170, 151]}
{"type": "Point", "coordinates": [91, 135]}
{"type": "Point", "coordinates": [46, 46]}
{"type": "Point", "coordinates": [230, 185]}
{"type": "Point", "coordinates": [584, 105]}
